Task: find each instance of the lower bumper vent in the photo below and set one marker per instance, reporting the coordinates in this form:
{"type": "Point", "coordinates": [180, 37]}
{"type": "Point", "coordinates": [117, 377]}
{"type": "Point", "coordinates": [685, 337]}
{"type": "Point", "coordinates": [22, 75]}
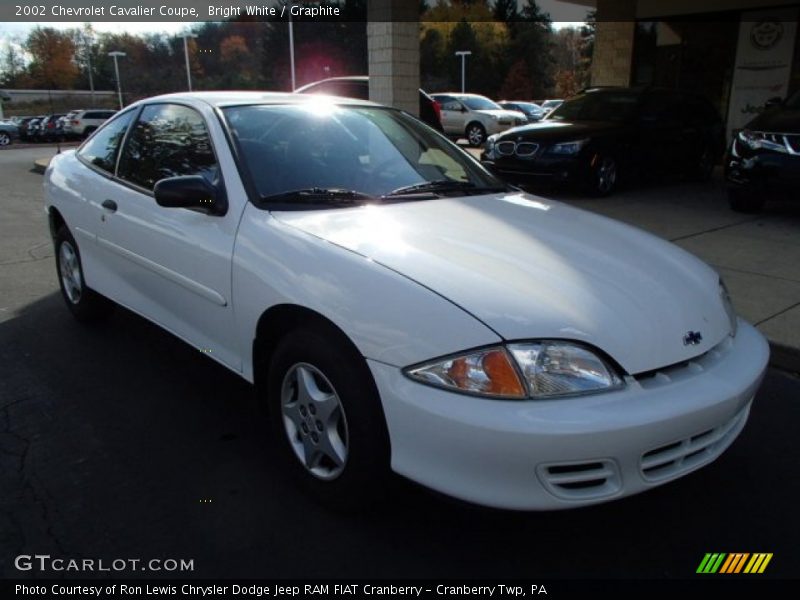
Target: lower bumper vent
{"type": "Point", "coordinates": [581, 481]}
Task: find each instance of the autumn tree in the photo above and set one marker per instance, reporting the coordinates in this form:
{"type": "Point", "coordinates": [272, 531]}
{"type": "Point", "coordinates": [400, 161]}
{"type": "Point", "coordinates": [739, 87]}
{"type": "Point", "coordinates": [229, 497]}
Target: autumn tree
{"type": "Point", "coordinates": [518, 84]}
{"type": "Point", "coordinates": [52, 53]}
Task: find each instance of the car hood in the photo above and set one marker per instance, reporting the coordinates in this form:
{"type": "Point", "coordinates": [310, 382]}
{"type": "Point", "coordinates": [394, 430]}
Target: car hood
{"type": "Point", "coordinates": [532, 268]}
{"type": "Point", "coordinates": [551, 130]}
{"type": "Point", "coordinates": [777, 120]}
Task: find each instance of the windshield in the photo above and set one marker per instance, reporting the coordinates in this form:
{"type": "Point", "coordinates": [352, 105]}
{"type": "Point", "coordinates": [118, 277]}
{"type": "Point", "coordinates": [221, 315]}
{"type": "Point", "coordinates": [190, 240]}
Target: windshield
{"type": "Point", "coordinates": [479, 103]}
{"type": "Point", "coordinates": [365, 151]}
{"type": "Point", "coordinates": [552, 103]}
{"type": "Point", "coordinates": [594, 106]}
{"type": "Point", "coordinates": [794, 101]}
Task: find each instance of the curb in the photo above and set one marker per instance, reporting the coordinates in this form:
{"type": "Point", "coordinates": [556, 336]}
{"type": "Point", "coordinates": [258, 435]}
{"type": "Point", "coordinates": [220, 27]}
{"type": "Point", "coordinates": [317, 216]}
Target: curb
{"type": "Point", "coordinates": [40, 165]}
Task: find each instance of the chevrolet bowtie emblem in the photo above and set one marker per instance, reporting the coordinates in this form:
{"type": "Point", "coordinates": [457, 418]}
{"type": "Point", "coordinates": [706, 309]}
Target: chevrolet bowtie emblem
{"type": "Point", "coordinates": [692, 338]}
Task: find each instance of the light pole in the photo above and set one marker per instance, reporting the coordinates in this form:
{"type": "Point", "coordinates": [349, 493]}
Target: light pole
{"type": "Point", "coordinates": [291, 50]}
{"type": "Point", "coordinates": [185, 37]}
{"type": "Point", "coordinates": [463, 54]}
{"type": "Point", "coordinates": [115, 55]}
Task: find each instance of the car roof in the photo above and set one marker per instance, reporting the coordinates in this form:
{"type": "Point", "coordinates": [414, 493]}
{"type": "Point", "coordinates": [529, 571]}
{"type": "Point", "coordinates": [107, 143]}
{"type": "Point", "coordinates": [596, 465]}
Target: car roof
{"type": "Point", "coordinates": [222, 99]}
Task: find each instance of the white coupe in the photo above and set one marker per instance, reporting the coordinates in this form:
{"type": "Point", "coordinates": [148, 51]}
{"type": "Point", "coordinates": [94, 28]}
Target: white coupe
{"type": "Point", "coordinates": [398, 307]}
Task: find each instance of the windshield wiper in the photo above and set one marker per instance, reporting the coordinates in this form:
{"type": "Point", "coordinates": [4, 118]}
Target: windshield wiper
{"type": "Point", "coordinates": [317, 195]}
{"type": "Point", "coordinates": [444, 185]}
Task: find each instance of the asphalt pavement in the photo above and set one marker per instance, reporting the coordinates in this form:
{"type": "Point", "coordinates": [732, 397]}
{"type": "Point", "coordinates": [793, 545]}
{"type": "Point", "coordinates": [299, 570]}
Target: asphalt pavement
{"type": "Point", "coordinates": [119, 441]}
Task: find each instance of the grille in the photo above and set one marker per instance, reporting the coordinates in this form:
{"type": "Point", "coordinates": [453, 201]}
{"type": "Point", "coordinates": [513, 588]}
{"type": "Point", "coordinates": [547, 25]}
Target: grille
{"type": "Point", "coordinates": [526, 149]}
{"type": "Point", "coordinates": [521, 149]}
{"type": "Point", "coordinates": [684, 370]}
{"type": "Point", "coordinates": [782, 142]}
{"type": "Point", "coordinates": [683, 455]}
{"type": "Point", "coordinates": [581, 481]}
{"type": "Point", "coordinates": [506, 148]}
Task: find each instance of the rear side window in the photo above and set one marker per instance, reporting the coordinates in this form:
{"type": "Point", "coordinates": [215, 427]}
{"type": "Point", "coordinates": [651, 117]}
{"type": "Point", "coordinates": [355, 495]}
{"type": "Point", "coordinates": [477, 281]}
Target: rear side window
{"type": "Point", "coordinates": [97, 114]}
{"type": "Point", "coordinates": [102, 149]}
{"type": "Point", "coordinates": [168, 140]}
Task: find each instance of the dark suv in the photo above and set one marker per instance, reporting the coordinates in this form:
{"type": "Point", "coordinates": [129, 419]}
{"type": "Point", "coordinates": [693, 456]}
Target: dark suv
{"type": "Point", "coordinates": [764, 157]}
{"type": "Point", "coordinates": [357, 86]}
{"type": "Point", "coordinates": [603, 134]}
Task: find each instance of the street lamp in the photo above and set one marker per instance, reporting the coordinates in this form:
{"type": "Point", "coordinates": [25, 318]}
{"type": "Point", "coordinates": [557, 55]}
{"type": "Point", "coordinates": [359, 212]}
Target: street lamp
{"type": "Point", "coordinates": [115, 55]}
{"type": "Point", "coordinates": [185, 37]}
{"type": "Point", "coordinates": [291, 50]}
{"type": "Point", "coordinates": [463, 54]}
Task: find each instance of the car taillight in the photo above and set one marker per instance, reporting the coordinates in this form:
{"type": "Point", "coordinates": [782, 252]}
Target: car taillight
{"type": "Point", "coordinates": [74, 122]}
{"type": "Point", "coordinates": [437, 108]}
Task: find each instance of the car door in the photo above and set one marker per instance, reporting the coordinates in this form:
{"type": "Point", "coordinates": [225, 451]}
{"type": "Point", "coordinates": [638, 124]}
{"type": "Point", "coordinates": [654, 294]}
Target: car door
{"type": "Point", "coordinates": [452, 115]}
{"type": "Point", "coordinates": [87, 187]}
{"type": "Point", "coordinates": [173, 265]}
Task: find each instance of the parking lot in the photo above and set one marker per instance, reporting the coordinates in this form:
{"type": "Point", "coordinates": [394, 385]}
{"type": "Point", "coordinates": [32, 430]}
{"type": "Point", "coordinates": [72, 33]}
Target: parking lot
{"type": "Point", "coordinates": [119, 441]}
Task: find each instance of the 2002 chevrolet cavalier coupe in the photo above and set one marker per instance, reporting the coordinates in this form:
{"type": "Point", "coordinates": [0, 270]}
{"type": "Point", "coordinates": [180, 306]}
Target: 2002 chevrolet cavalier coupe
{"type": "Point", "coordinates": [398, 307]}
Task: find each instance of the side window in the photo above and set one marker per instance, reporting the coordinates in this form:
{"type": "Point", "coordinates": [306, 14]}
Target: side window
{"type": "Point", "coordinates": [168, 140]}
{"type": "Point", "coordinates": [101, 151]}
{"type": "Point", "coordinates": [451, 104]}
{"type": "Point", "coordinates": [662, 108]}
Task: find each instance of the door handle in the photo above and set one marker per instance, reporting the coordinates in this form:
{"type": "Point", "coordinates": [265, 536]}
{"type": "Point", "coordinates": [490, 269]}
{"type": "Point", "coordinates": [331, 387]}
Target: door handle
{"type": "Point", "coordinates": [109, 205]}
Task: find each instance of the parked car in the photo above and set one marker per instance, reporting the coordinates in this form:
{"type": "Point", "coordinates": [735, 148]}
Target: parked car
{"type": "Point", "coordinates": [764, 158]}
{"type": "Point", "coordinates": [549, 106]}
{"type": "Point", "coordinates": [84, 122]}
{"type": "Point", "coordinates": [9, 132]}
{"type": "Point", "coordinates": [398, 307]}
{"type": "Point", "coordinates": [531, 110]}
{"type": "Point", "coordinates": [357, 86]}
{"type": "Point", "coordinates": [28, 127]}
{"type": "Point", "coordinates": [604, 133]}
{"type": "Point", "coordinates": [47, 129]}
{"type": "Point", "coordinates": [474, 117]}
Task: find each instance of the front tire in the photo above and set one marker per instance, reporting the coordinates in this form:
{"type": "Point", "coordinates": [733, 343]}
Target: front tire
{"type": "Point", "coordinates": [5, 139]}
{"type": "Point", "coordinates": [85, 304]}
{"type": "Point", "coordinates": [476, 134]}
{"type": "Point", "coordinates": [603, 175]}
{"type": "Point", "coordinates": [326, 418]}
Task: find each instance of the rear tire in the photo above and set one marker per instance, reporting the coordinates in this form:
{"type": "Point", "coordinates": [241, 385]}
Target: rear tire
{"type": "Point", "coordinates": [5, 139]}
{"type": "Point", "coordinates": [704, 169]}
{"type": "Point", "coordinates": [745, 202]}
{"type": "Point", "coordinates": [85, 304]}
{"type": "Point", "coordinates": [326, 418]}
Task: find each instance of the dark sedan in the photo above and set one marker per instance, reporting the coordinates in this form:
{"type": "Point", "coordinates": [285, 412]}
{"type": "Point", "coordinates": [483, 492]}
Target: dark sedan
{"type": "Point", "coordinates": [603, 134]}
{"type": "Point", "coordinates": [764, 158]}
{"type": "Point", "coordinates": [8, 132]}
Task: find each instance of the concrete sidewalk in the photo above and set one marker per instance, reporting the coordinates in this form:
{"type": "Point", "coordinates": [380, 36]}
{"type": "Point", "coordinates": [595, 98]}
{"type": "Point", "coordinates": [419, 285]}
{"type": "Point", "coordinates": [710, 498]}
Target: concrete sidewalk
{"type": "Point", "coordinates": [757, 255]}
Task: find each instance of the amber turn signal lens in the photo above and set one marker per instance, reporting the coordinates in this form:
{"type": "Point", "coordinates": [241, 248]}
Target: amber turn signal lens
{"type": "Point", "coordinates": [503, 377]}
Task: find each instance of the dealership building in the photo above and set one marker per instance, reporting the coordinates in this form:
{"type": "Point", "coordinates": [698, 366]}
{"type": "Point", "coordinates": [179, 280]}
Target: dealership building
{"type": "Point", "coordinates": [737, 53]}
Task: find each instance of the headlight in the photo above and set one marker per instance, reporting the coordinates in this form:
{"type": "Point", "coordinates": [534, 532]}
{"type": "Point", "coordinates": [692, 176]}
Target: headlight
{"type": "Point", "coordinates": [731, 312]}
{"type": "Point", "coordinates": [540, 369]}
{"type": "Point", "coordinates": [757, 139]}
{"type": "Point", "coordinates": [490, 142]}
{"type": "Point", "coordinates": [495, 117]}
{"type": "Point", "coordinates": [568, 148]}
{"type": "Point", "coordinates": [555, 368]}
{"type": "Point", "coordinates": [487, 372]}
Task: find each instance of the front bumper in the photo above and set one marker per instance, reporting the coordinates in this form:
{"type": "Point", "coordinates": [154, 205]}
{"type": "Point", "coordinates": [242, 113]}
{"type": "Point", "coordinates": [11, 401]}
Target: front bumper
{"type": "Point", "coordinates": [552, 454]}
{"type": "Point", "coordinates": [540, 169]}
{"type": "Point", "coordinates": [762, 171]}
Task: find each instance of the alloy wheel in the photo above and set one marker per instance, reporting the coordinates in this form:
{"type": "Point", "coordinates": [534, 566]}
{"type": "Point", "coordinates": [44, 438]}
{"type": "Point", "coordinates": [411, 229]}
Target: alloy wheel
{"type": "Point", "coordinates": [5, 139]}
{"type": "Point", "coordinates": [475, 135]}
{"type": "Point", "coordinates": [70, 270]}
{"type": "Point", "coordinates": [606, 175]}
{"type": "Point", "coordinates": [314, 421]}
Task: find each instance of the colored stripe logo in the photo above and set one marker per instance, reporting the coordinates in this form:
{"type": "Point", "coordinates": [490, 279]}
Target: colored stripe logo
{"type": "Point", "coordinates": [735, 562]}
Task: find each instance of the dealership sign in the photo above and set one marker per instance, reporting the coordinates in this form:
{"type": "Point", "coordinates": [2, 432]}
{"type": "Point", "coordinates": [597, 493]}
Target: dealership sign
{"type": "Point", "coordinates": [763, 62]}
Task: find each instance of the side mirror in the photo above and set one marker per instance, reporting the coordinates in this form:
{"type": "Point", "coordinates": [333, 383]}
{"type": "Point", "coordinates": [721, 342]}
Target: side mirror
{"type": "Point", "coordinates": [775, 101]}
{"type": "Point", "coordinates": [190, 191]}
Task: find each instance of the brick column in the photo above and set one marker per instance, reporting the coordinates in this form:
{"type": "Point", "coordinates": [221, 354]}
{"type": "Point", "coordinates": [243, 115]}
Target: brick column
{"type": "Point", "coordinates": [393, 46]}
{"type": "Point", "coordinates": [613, 44]}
